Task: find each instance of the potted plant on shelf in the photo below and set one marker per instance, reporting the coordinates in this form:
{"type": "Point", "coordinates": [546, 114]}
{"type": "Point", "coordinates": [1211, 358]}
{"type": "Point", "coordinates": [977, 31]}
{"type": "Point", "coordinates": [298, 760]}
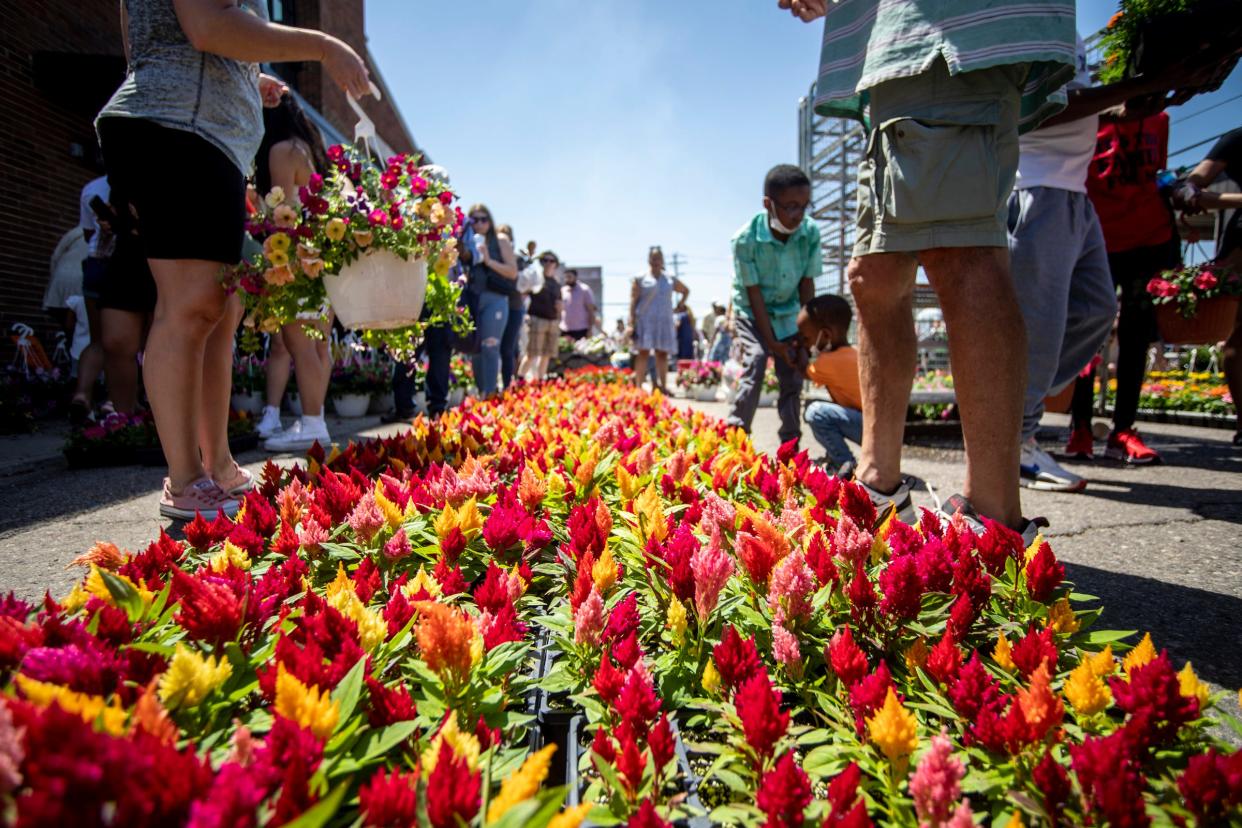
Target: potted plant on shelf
{"type": "Point", "coordinates": [701, 380]}
{"type": "Point", "coordinates": [249, 377]}
{"type": "Point", "coordinates": [353, 383]}
{"type": "Point", "coordinates": [374, 243]}
{"type": "Point", "coordinates": [461, 380]}
{"type": "Point", "coordinates": [771, 387]}
{"type": "Point", "coordinates": [1196, 305]}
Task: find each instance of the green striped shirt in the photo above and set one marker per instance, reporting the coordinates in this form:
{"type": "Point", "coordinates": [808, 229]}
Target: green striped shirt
{"type": "Point", "coordinates": [867, 42]}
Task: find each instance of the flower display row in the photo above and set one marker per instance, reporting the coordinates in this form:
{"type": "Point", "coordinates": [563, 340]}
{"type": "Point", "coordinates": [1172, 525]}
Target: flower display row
{"type": "Point", "coordinates": [1182, 391]}
{"type": "Point", "coordinates": [577, 602]}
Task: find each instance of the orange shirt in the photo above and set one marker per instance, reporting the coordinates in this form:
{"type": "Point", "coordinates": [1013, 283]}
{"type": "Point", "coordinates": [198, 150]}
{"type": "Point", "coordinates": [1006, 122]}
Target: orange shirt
{"type": "Point", "coordinates": [838, 372]}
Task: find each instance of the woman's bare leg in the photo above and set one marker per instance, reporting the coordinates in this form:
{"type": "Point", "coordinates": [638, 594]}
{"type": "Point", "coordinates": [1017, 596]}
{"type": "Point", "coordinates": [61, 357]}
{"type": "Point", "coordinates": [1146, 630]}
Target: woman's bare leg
{"type": "Point", "coordinates": [213, 425]}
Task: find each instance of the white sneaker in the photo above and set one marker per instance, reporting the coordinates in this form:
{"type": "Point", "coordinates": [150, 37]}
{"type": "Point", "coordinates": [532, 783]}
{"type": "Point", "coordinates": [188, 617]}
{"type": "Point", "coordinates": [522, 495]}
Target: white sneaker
{"type": "Point", "coordinates": [300, 436]}
{"type": "Point", "coordinates": [1040, 471]}
{"type": "Point", "coordinates": [269, 423]}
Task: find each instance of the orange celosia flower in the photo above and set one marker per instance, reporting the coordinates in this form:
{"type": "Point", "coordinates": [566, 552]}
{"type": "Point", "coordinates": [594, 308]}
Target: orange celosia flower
{"type": "Point", "coordinates": [444, 637]}
{"type": "Point", "coordinates": [1040, 706]}
{"type": "Point", "coordinates": [103, 555]}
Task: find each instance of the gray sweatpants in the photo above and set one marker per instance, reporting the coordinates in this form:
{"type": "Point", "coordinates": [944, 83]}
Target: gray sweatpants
{"type": "Point", "coordinates": [754, 359]}
{"type": "Point", "coordinates": [1060, 272]}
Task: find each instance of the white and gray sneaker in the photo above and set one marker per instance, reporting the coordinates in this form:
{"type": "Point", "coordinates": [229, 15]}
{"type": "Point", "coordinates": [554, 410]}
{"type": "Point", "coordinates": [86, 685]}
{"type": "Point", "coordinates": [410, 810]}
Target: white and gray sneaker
{"type": "Point", "coordinates": [899, 499]}
{"type": "Point", "coordinates": [269, 423]}
{"type": "Point", "coordinates": [300, 436]}
{"type": "Point", "coordinates": [959, 505]}
{"type": "Point", "coordinates": [1040, 471]}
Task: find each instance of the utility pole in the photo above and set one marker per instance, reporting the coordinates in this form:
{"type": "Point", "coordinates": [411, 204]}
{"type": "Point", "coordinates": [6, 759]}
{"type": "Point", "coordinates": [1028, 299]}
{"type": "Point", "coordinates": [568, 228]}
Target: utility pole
{"type": "Point", "coordinates": [675, 262]}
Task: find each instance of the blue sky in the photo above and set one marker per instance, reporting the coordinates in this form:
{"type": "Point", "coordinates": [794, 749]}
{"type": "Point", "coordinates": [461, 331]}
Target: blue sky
{"type": "Point", "coordinates": [599, 128]}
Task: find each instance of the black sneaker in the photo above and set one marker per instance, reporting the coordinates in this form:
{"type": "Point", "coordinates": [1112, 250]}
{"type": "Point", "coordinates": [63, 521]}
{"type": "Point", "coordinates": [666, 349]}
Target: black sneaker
{"type": "Point", "coordinates": [957, 504]}
{"type": "Point", "coordinates": [899, 500]}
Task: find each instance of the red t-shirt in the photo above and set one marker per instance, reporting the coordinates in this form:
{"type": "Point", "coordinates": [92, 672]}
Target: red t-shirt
{"type": "Point", "coordinates": [1122, 182]}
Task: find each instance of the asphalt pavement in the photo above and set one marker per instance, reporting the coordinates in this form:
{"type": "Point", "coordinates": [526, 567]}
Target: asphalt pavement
{"type": "Point", "coordinates": [1158, 545]}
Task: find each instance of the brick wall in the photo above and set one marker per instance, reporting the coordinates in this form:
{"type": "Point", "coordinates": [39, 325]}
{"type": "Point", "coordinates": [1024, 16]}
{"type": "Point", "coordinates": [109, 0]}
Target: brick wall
{"type": "Point", "coordinates": [46, 123]}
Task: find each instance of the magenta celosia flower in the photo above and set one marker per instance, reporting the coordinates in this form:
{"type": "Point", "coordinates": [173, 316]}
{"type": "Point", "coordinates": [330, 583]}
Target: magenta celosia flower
{"type": "Point", "coordinates": [935, 784]}
{"type": "Point", "coordinates": [1212, 785]}
{"type": "Point", "coordinates": [712, 569]}
{"type": "Point", "coordinates": [736, 659]}
{"type": "Point", "coordinates": [366, 519]}
{"type": "Point", "coordinates": [962, 817]}
{"type": "Point", "coordinates": [389, 799]}
{"type": "Point", "coordinates": [589, 619]}
{"type": "Point", "coordinates": [791, 586]}
{"type": "Point", "coordinates": [1111, 779]}
{"type": "Point", "coordinates": [902, 588]}
{"type": "Point", "coordinates": [398, 546]}
{"type": "Point", "coordinates": [1152, 698]}
{"type": "Point", "coordinates": [784, 792]}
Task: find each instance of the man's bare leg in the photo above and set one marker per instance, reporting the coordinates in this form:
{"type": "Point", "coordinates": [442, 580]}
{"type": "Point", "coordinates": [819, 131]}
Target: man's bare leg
{"type": "Point", "coordinates": [883, 287]}
{"type": "Point", "coordinates": [987, 348]}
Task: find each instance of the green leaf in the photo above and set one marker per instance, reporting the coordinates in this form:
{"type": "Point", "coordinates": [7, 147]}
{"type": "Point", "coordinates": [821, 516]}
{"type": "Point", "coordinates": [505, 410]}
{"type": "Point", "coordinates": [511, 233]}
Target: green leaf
{"type": "Point", "coordinates": [318, 815]}
{"type": "Point", "coordinates": [126, 597]}
{"type": "Point", "coordinates": [350, 688]}
{"type": "Point", "coordinates": [1098, 637]}
{"type": "Point", "coordinates": [535, 812]}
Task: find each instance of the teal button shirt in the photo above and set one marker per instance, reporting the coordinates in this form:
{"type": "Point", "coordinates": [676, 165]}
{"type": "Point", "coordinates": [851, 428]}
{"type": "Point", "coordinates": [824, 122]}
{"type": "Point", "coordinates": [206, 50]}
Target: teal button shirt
{"type": "Point", "coordinates": [777, 268]}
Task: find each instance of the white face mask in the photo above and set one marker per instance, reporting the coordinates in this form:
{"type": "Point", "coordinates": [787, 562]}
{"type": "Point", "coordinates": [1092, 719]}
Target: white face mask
{"type": "Point", "coordinates": [818, 350]}
{"type": "Point", "coordinates": [775, 224]}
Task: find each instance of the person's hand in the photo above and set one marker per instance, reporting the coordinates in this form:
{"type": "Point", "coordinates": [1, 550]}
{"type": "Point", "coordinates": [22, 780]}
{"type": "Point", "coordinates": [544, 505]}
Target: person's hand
{"type": "Point", "coordinates": [805, 10]}
{"type": "Point", "coordinates": [346, 68]}
{"type": "Point", "coordinates": [1186, 197]}
{"type": "Point", "coordinates": [271, 90]}
{"type": "Point", "coordinates": [786, 353]}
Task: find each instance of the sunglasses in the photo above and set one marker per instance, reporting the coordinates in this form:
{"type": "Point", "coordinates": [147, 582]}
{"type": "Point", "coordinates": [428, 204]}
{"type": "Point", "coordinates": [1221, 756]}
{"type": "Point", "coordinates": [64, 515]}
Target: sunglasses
{"type": "Point", "coordinates": [548, 261]}
{"type": "Point", "coordinates": [482, 217]}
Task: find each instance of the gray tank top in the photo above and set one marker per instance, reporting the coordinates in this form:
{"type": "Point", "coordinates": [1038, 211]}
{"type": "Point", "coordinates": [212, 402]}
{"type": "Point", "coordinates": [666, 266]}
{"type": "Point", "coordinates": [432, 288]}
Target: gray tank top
{"type": "Point", "coordinates": [175, 85]}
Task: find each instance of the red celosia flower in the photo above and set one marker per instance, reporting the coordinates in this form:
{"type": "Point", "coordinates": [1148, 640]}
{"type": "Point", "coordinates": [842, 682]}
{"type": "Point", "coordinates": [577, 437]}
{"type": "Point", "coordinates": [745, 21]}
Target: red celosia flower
{"type": "Point", "coordinates": [867, 695]}
{"type": "Point", "coordinates": [367, 579]}
{"type": "Point", "coordinates": [944, 661]}
{"type": "Point", "coordinates": [784, 793]}
{"type": "Point", "coordinates": [503, 528]}
{"type": "Point", "coordinates": [259, 514]}
{"type": "Point", "coordinates": [736, 659]}
{"type": "Point", "coordinates": [452, 791]}
{"type": "Point", "coordinates": [487, 736]}
{"type": "Point", "coordinates": [1034, 649]}
{"type": "Point", "coordinates": [856, 505]}
{"type": "Point", "coordinates": [630, 760]}
{"type": "Point", "coordinates": [637, 703]}
{"type": "Point", "coordinates": [758, 706]}
{"type": "Point", "coordinates": [647, 817]}
{"type": "Point", "coordinates": [155, 562]}
{"type": "Point", "coordinates": [1111, 779]}
{"type": "Point", "coordinates": [389, 800]}
{"type": "Point", "coordinates": [389, 705]}
{"type": "Point", "coordinates": [398, 612]}
{"type": "Point", "coordinates": [623, 619]}
{"type": "Point", "coordinates": [819, 558]}
{"type": "Point", "coordinates": [451, 580]}
{"type": "Point", "coordinates": [997, 545]}
{"type": "Point", "coordinates": [935, 566]}
{"type": "Point", "coordinates": [677, 552]}
{"type": "Point", "coordinates": [243, 537]}
{"type": "Point", "coordinates": [848, 810]}
{"type": "Point", "coordinates": [902, 588]}
{"type": "Point", "coordinates": [861, 593]}
{"type": "Point", "coordinates": [588, 527]}
{"type": "Point", "coordinates": [627, 652]}
{"type": "Point", "coordinates": [452, 545]}
{"type": "Point", "coordinates": [757, 557]}
{"type": "Point", "coordinates": [209, 611]}
{"type": "Point", "coordinates": [198, 532]}
{"type": "Point", "coordinates": [608, 680]}
{"type": "Point", "coordinates": [846, 658]}
{"type": "Point", "coordinates": [662, 744]}
{"type": "Point", "coordinates": [1212, 786]}
{"type": "Point", "coordinates": [584, 582]}
{"type": "Point", "coordinates": [603, 747]}
{"type": "Point", "coordinates": [1044, 574]}
{"type": "Point", "coordinates": [493, 592]}
{"type": "Point", "coordinates": [961, 616]}
{"type": "Point", "coordinates": [504, 626]}
{"type": "Point", "coordinates": [974, 690]}
{"type": "Point", "coordinates": [1053, 783]}
{"type": "Point", "coordinates": [1153, 698]}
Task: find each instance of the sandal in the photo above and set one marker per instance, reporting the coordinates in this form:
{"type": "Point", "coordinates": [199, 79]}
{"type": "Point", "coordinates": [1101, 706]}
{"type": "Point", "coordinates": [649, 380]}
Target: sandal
{"type": "Point", "coordinates": [241, 482]}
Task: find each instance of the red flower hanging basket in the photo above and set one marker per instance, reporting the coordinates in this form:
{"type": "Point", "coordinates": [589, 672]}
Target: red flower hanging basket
{"type": "Point", "coordinates": [1213, 321]}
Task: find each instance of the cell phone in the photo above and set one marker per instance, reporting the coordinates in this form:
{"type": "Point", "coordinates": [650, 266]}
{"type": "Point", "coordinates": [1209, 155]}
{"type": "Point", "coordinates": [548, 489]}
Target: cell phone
{"type": "Point", "coordinates": [102, 210]}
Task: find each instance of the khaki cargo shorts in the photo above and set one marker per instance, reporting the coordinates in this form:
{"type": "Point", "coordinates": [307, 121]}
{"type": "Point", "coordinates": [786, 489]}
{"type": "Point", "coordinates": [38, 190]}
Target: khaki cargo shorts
{"type": "Point", "coordinates": [941, 159]}
{"type": "Point", "coordinates": [544, 337]}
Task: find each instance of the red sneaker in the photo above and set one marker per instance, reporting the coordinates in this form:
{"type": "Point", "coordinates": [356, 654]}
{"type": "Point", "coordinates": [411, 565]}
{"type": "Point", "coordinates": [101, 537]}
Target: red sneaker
{"type": "Point", "coordinates": [1081, 443]}
{"type": "Point", "coordinates": [1129, 447]}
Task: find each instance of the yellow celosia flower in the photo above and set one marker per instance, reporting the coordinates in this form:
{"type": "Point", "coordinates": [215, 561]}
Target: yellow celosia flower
{"type": "Point", "coordinates": [191, 677]}
{"type": "Point", "coordinates": [341, 585]}
{"type": "Point", "coordinates": [1103, 663]}
{"type": "Point", "coordinates": [711, 678]}
{"type": "Point", "coordinates": [1061, 617]}
{"type": "Point", "coordinates": [571, 817]}
{"type": "Point", "coordinates": [464, 745]}
{"type": "Point", "coordinates": [892, 729]}
{"type": "Point", "coordinates": [476, 647]}
{"type": "Point", "coordinates": [1144, 653]}
{"type": "Point", "coordinates": [92, 709]}
{"type": "Point", "coordinates": [469, 519]}
{"type": "Point", "coordinates": [422, 581]}
{"type": "Point", "coordinates": [1001, 653]}
{"type": "Point", "coordinates": [1015, 821]}
{"type": "Point", "coordinates": [75, 600]}
{"type": "Point", "coordinates": [445, 522]}
{"type": "Point", "coordinates": [1191, 687]}
{"type": "Point", "coordinates": [1033, 549]}
{"type": "Point", "coordinates": [650, 513]}
{"type": "Point", "coordinates": [521, 786]}
{"type": "Point", "coordinates": [230, 554]}
{"type": "Point", "coordinates": [341, 596]}
{"type": "Point", "coordinates": [95, 586]}
{"type": "Point", "coordinates": [391, 512]}
{"type": "Point", "coordinates": [585, 470]}
{"type": "Point", "coordinates": [916, 655]}
{"type": "Point", "coordinates": [1086, 692]}
{"type": "Point", "coordinates": [309, 707]}
{"type": "Point", "coordinates": [676, 619]}
{"type": "Point", "coordinates": [604, 572]}
{"type": "Point", "coordinates": [628, 483]}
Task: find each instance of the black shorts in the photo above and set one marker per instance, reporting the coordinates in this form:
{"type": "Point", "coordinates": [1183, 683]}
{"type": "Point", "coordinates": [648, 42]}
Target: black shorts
{"type": "Point", "coordinates": [128, 284]}
{"type": "Point", "coordinates": [190, 199]}
{"type": "Point", "coordinates": [94, 271]}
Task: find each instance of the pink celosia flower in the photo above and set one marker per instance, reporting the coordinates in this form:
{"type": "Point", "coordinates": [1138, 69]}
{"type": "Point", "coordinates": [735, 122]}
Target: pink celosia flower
{"type": "Point", "coordinates": [312, 535]}
{"type": "Point", "coordinates": [851, 543]}
{"type": "Point", "coordinates": [398, 546]}
{"type": "Point", "coordinates": [589, 619]}
{"type": "Point", "coordinates": [963, 817]}
{"type": "Point", "coordinates": [785, 648]}
{"type": "Point", "coordinates": [790, 587]}
{"type": "Point", "coordinates": [936, 782]}
{"type": "Point", "coordinates": [712, 569]}
{"type": "Point", "coordinates": [11, 751]}
{"type": "Point", "coordinates": [366, 518]}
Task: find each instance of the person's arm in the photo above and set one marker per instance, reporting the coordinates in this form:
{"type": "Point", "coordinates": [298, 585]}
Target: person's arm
{"type": "Point", "coordinates": [125, 32]}
{"type": "Point", "coordinates": [1219, 201]}
{"type": "Point", "coordinates": [223, 28]}
{"type": "Point", "coordinates": [783, 352]}
{"type": "Point", "coordinates": [680, 287]}
{"type": "Point", "coordinates": [635, 292]}
{"type": "Point", "coordinates": [507, 265]}
{"type": "Point", "coordinates": [806, 290]}
{"type": "Point", "coordinates": [591, 309]}
{"type": "Point", "coordinates": [814, 268]}
{"type": "Point", "coordinates": [290, 167]}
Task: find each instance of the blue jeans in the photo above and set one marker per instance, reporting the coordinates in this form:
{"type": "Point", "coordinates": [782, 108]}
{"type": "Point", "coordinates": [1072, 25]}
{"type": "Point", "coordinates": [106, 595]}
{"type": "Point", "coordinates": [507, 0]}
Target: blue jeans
{"type": "Point", "coordinates": [493, 315]}
{"type": "Point", "coordinates": [720, 348]}
{"type": "Point", "coordinates": [832, 424]}
{"type": "Point", "coordinates": [509, 343]}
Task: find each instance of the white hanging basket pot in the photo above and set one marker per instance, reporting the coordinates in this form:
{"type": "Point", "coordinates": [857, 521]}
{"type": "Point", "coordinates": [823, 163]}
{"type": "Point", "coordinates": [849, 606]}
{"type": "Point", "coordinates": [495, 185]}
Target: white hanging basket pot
{"type": "Point", "coordinates": [706, 393]}
{"type": "Point", "coordinates": [378, 290]}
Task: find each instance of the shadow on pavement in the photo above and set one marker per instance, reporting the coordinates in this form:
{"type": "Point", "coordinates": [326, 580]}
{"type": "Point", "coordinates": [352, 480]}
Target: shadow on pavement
{"type": "Point", "coordinates": [1213, 504]}
{"type": "Point", "coordinates": [1192, 624]}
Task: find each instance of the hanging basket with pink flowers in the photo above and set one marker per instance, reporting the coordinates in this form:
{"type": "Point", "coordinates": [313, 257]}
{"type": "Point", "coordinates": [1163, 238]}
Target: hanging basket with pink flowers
{"type": "Point", "coordinates": [1196, 305]}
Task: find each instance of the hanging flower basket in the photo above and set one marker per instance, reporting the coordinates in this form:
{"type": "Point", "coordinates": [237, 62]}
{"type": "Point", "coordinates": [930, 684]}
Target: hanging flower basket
{"type": "Point", "coordinates": [378, 291]}
{"type": "Point", "coordinates": [1213, 321]}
